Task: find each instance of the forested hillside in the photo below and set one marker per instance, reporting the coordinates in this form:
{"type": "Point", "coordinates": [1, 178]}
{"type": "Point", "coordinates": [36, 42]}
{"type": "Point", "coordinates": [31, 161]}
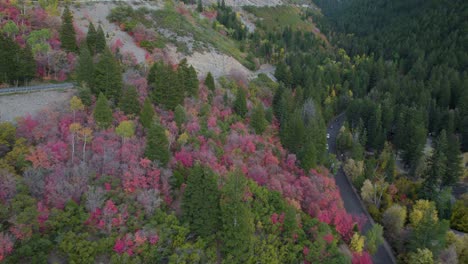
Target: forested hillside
{"type": "Point", "coordinates": [156, 163]}
{"type": "Point", "coordinates": [409, 85]}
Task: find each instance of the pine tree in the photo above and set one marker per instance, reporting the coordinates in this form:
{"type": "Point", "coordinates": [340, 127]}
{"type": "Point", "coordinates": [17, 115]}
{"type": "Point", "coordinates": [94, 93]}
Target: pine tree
{"type": "Point", "coordinates": [102, 112]}
{"type": "Point", "coordinates": [85, 68]}
{"type": "Point", "coordinates": [437, 167]}
{"type": "Point", "coordinates": [209, 81]}
{"type": "Point", "coordinates": [26, 65]}
{"type": "Point", "coordinates": [257, 120]}
{"type": "Point", "coordinates": [147, 113]}
{"type": "Point", "coordinates": [240, 104]}
{"type": "Point", "coordinates": [200, 203]}
{"type": "Point", "coordinates": [157, 144]}
{"type": "Point", "coordinates": [454, 169]}
{"type": "Point", "coordinates": [175, 91]}
{"type": "Point", "coordinates": [179, 116]}
{"type": "Point", "coordinates": [100, 40]}
{"type": "Point", "coordinates": [237, 221]}
{"type": "Point", "coordinates": [91, 38]}
{"type": "Point", "coordinates": [108, 77]}
{"type": "Point", "coordinates": [67, 32]}
{"type": "Point", "coordinates": [129, 103]}
{"type": "Point", "coordinates": [199, 6]}
{"type": "Point", "coordinates": [188, 77]}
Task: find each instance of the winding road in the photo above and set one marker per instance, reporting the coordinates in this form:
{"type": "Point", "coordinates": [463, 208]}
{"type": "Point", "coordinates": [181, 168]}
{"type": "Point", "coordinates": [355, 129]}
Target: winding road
{"type": "Point", "coordinates": [352, 202]}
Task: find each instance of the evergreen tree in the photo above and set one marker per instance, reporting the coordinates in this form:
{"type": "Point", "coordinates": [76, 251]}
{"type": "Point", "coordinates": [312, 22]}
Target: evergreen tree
{"type": "Point", "coordinates": [91, 38]}
{"type": "Point", "coordinates": [157, 144]}
{"type": "Point", "coordinates": [257, 120]}
{"type": "Point", "coordinates": [26, 65]}
{"type": "Point", "coordinates": [108, 77]}
{"type": "Point", "coordinates": [67, 32]}
{"type": "Point", "coordinates": [85, 68]}
{"type": "Point", "coordinates": [436, 168]}
{"type": "Point", "coordinates": [200, 203]}
{"type": "Point", "coordinates": [102, 112]}
{"type": "Point", "coordinates": [454, 169]}
{"type": "Point", "coordinates": [199, 6]}
{"type": "Point", "coordinates": [179, 116]}
{"type": "Point", "coordinates": [209, 82]}
{"type": "Point", "coordinates": [188, 78]}
{"type": "Point", "coordinates": [84, 93]}
{"type": "Point", "coordinates": [240, 104]}
{"type": "Point", "coordinates": [129, 103]}
{"type": "Point", "coordinates": [167, 87]}
{"type": "Point", "coordinates": [237, 221]}
{"type": "Point", "coordinates": [147, 113]}
{"type": "Point", "coordinates": [100, 40]}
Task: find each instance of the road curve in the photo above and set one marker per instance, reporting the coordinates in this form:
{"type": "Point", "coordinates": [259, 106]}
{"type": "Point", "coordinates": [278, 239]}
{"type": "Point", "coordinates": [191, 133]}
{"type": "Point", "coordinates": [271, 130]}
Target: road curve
{"type": "Point", "coordinates": [352, 202]}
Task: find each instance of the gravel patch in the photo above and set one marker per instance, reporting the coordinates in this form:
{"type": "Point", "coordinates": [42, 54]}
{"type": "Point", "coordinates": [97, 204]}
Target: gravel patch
{"type": "Point", "coordinates": [17, 105]}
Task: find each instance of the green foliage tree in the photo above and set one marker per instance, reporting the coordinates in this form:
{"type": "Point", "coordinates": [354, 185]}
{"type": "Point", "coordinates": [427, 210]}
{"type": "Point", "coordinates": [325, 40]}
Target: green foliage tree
{"type": "Point", "coordinates": [17, 65]}
{"type": "Point", "coordinates": [84, 93]}
{"type": "Point", "coordinates": [129, 103]}
{"type": "Point", "coordinates": [85, 68]}
{"type": "Point", "coordinates": [78, 247]}
{"type": "Point", "coordinates": [67, 31]}
{"type": "Point", "coordinates": [126, 129]}
{"type": "Point", "coordinates": [257, 120]}
{"type": "Point", "coordinates": [237, 220]}
{"type": "Point", "coordinates": [179, 116]}
{"type": "Point", "coordinates": [393, 220]}
{"type": "Point", "coordinates": [459, 218]}
{"type": "Point", "coordinates": [374, 238]}
{"type": "Point", "coordinates": [108, 77]}
{"type": "Point", "coordinates": [240, 104]}
{"type": "Point", "coordinates": [100, 40]}
{"type": "Point", "coordinates": [436, 168]}
{"type": "Point", "coordinates": [200, 203]}
{"type": "Point", "coordinates": [428, 232]}
{"type": "Point", "coordinates": [91, 38]}
{"type": "Point", "coordinates": [199, 6]}
{"type": "Point", "coordinates": [209, 82]}
{"type": "Point", "coordinates": [157, 144]}
{"type": "Point", "coordinates": [166, 85]}
{"type": "Point", "coordinates": [102, 112]}
{"type": "Point", "coordinates": [421, 256]}
{"type": "Point", "coordinates": [454, 169]}
{"type": "Point", "coordinates": [147, 113]}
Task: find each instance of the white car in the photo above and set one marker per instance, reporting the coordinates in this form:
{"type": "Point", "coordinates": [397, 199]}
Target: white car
{"type": "Point", "coordinates": [328, 135]}
{"type": "Point", "coordinates": [327, 146]}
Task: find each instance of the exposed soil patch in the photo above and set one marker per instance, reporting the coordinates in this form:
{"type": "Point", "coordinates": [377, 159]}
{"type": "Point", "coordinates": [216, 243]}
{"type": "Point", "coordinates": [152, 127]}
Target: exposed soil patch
{"type": "Point", "coordinates": [17, 105]}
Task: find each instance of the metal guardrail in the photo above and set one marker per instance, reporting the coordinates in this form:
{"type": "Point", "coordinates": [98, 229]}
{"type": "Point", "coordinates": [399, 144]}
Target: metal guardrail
{"type": "Point", "coordinates": [35, 88]}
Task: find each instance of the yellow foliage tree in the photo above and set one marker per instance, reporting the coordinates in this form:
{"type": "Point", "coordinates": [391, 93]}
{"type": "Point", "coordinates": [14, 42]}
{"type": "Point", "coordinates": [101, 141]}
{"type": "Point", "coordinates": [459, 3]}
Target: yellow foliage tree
{"type": "Point", "coordinates": [357, 243]}
{"type": "Point", "coordinates": [421, 208]}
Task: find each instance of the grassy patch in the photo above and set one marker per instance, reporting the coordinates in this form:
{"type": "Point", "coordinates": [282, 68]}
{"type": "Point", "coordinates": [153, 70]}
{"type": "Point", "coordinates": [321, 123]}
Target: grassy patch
{"type": "Point", "coordinates": [272, 18]}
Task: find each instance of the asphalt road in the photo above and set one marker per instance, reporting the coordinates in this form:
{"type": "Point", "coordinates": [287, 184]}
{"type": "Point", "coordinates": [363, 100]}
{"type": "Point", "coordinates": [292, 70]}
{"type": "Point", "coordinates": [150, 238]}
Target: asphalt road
{"type": "Point", "coordinates": [352, 202]}
{"type": "Point", "coordinates": [35, 88]}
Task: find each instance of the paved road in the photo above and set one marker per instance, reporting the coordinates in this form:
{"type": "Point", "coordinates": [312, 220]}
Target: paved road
{"type": "Point", "coordinates": [351, 201]}
{"type": "Point", "coordinates": [36, 88]}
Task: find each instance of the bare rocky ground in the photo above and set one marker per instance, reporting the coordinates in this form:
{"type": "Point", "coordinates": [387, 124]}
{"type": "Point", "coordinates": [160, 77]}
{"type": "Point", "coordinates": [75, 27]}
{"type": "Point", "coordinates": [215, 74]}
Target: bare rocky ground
{"type": "Point", "coordinates": [17, 105]}
{"type": "Point", "coordinates": [217, 63]}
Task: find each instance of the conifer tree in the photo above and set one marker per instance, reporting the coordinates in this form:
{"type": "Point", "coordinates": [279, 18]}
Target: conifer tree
{"type": "Point", "coordinates": [454, 169]}
{"type": "Point", "coordinates": [91, 38]}
{"type": "Point", "coordinates": [147, 113]}
{"type": "Point", "coordinates": [436, 168]}
{"type": "Point", "coordinates": [108, 77]}
{"type": "Point", "coordinates": [129, 102]}
{"type": "Point", "coordinates": [209, 81]}
{"type": "Point", "coordinates": [26, 65]}
{"type": "Point", "coordinates": [100, 40]}
{"type": "Point", "coordinates": [257, 120]}
{"type": "Point", "coordinates": [102, 112]}
{"type": "Point", "coordinates": [200, 203]}
{"type": "Point", "coordinates": [67, 32]}
{"type": "Point", "coordinates": [157, 144]}
{"type": "Point", "coordinates": [240, 104]}
{"type": "Point", "coordinates": [237, 220]}
{"type": "Point", "coordinates": [179, 115]}
{"type": "Point", "coordinates": [85, 68]}
{"type": "Point", "coordinates": [199, 6]}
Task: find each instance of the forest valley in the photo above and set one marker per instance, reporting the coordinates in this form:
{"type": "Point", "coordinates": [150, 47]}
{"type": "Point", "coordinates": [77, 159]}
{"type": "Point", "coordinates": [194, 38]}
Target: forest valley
{"type": "Point", "coordinates": [157, 163]}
